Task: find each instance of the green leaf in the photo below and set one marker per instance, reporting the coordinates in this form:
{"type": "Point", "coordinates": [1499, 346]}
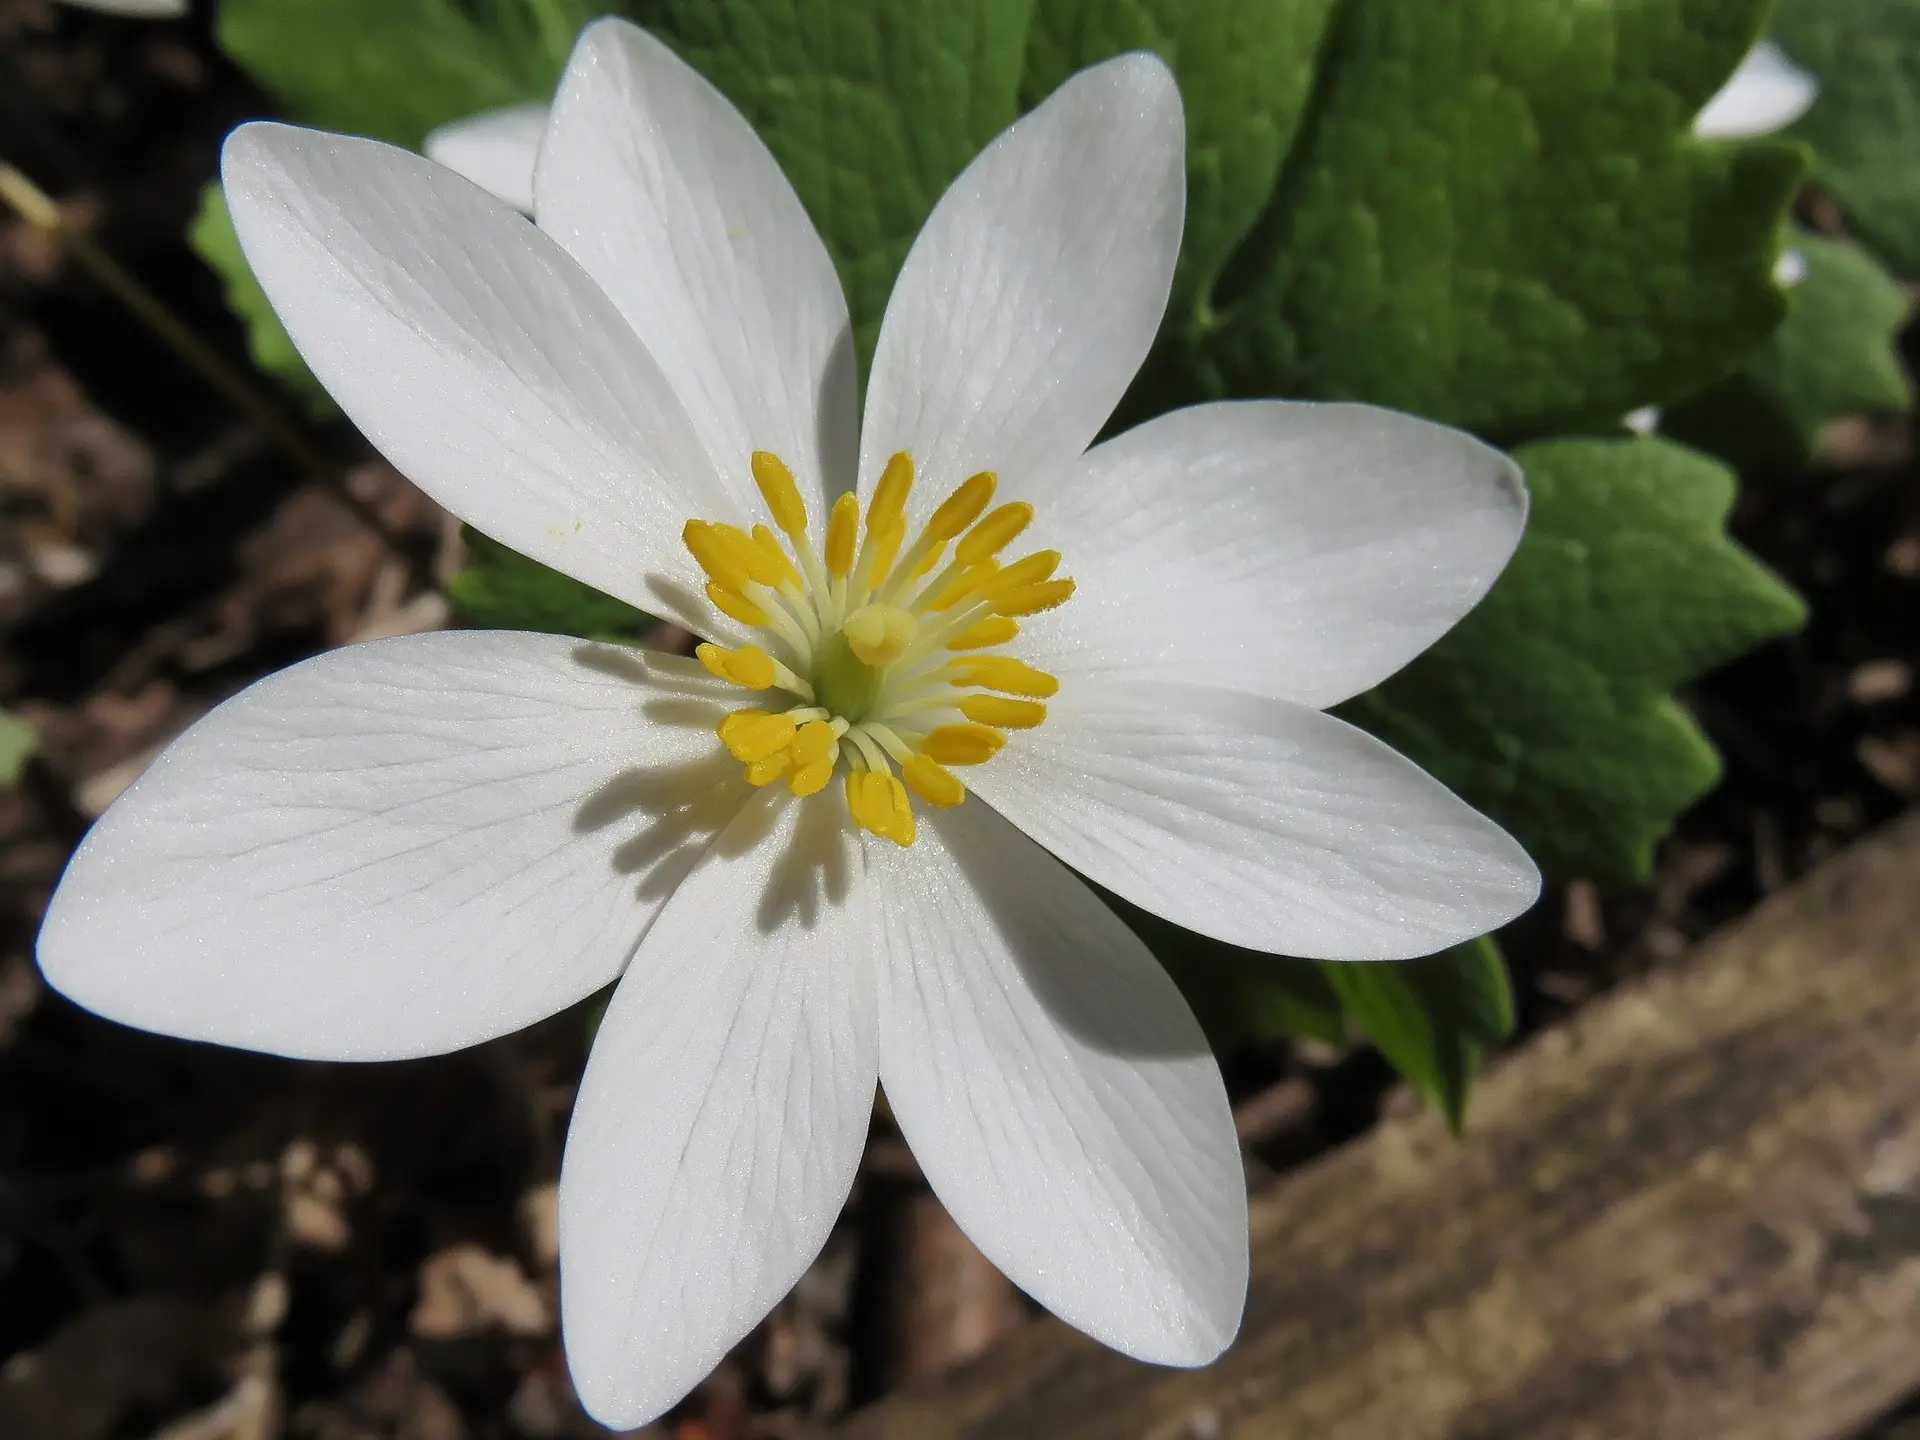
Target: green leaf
{"type": "Point", "coordinates": [1246, 73]}
{"type": "Point", "coordinates": [1865, 126]}
{"type": "Point", "coordinates": [18, 742]}
{"type": "Point", "coordinates": [396, 69]}
{"type": "Point", "coordinates": [871, 107]}
{"type": "Point", "coordinates": [504, 590]}
{"type": "Point", "coordinates": [1835, 354]}
{"type": "Point", "coordinates": [1493, 217]}
{"type": "Point", "coordinates": [1549, 706]}
{"type": "Point", "coordinates": [1433, 1019]}
{"type": "Point", "coordinates": [211, 235]}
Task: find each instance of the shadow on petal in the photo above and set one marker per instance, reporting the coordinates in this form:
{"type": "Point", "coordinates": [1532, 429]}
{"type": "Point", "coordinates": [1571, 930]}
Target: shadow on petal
{"type": "Point", "coordinates": [1092, 975]}
{"type": "Point", "coordinates": [815, 871]}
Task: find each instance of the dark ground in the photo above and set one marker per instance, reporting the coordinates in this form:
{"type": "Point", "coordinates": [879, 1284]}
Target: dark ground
{"type": "Point", "coordinates": [200, 1243]}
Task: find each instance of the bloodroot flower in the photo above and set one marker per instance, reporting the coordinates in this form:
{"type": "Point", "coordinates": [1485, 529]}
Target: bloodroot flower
{"type": "Point", "coordinates": [842, 844]}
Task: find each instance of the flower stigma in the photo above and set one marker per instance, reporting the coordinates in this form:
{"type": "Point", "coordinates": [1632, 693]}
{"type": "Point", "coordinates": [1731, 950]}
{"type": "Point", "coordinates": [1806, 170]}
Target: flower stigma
{"type": "Point", "coordinates": [884, 651]}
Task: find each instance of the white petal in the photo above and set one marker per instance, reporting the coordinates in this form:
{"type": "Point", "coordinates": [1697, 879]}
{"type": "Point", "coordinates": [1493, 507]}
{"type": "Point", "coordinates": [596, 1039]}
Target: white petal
{"type": "Point", "coordinates": [495, 150]}
{"type": "Point", "coordinates": [1259, 822]}
{"type": "Point", "coordinates": [1791, 268]}
{"type": "Point", "coordinates": [723, 1113]}
{"type": "Point", "coordinates": [1057, 1091]}
{"type": "Point", "coordinates": [1297, 550]}
{"type": "Point", "coordinates": [476, 355]}
{"type": "Point", "coordinates": [138, 9]}
{"type": "Point", "coordinates": [1032, 295]}
{"type": "Point", "coordinates": [1644, 421]}
{"type": "Point", "coordinates": [663, 192]}
{"type": "Point", "coordinates": [395, 849]}
{"type": "Point", "coordinates": [1767, 93]}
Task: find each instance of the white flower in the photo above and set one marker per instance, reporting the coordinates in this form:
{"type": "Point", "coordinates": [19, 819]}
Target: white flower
{"type": "Point", "coordinates": [138, 9]}
{"type": "Point", "coordinates": [1767, 93]}
{"type": "Point", "coordinates": [495, 149]}
{"type": "Point", "coordinates": [416, 844]}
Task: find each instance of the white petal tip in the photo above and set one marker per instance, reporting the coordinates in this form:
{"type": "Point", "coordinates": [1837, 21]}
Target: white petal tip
{"type": "Point", "coordinates": [1767, 93]}
{"type": "Point", "coordinates": [496, 150]}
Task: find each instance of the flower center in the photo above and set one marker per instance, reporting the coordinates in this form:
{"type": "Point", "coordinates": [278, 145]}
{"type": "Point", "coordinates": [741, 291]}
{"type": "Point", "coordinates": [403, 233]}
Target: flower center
{"type": "Point", "coordinates": [885, 656]}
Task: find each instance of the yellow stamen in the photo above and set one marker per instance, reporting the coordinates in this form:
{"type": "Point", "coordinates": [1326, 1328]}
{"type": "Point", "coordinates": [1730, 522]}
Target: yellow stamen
{"type": "Point", "coordinates": [995, 533]}
{"type": "Point", "coordinates": [1003, 672]}
{"type": "Point", "coordinates": [994, 630]}
{"type": "Point", "coordinates": [962, 744]}
{"type": "Point", "coordinates": [843, 528]}
{"type": "Point", "coordinates": [733, 603]}
{"type": "Point", "coordinates": [813, 752]}
{"type": "Point", "coordinates": [879, 803]}
{"type": "Point", "coordinates": [878, 634]}
{"type": "Point", "coordinates": [765, 772]}
{"type": "Point", "coordinates": [812, 777]}
{"type": "Point", "coordinates": [999, 711]}
{"type": "Point", "coordinates": [749, 665]}
{"type": "Point", "coordinates": [769, 546]}
{"type": "Point", "coordinates": [963, 507]}
{"type": "Point", "coordinates": [932, 781]}
{"type": "Point", "coordinates": [881, 548]}
{"type": "Point", "coordinates": [889, 504]}
{"type": "Point", "coordinates": [754, 734]}
{"type": "Point", "coordinates": [812, 741]}
{"type": "Point", "coordinates": [1031, 570]}
{"type": "Point", "coordinates": [1032, 599]}
{"type": "Point", "coordinates": [746, 556]}
{"type": "Point", "coordinates": [775, 480]}
{"type": "Point", "coordinates": [964, 584]}
{"type": "Point", "coordinates": [714, 556]}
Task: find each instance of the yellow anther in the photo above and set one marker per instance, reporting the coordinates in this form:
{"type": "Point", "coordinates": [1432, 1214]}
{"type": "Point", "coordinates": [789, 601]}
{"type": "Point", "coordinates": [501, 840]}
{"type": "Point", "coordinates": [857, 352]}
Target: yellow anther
{"type": "Point", "coordinates": [965, 583]}
{"type": "Point", "coordinates": [885, 545]}
{"type": "Point", "coordinates": [889, 504]}
{"type": "Point", "coordinates": [754, 734]}
{"type": "Point", "coordinates": [733, 603]}
{"type": "Point", "coordinates": [746, 555]}
{"type": "Point", "coordinates": [843, 529]}
{"type": "Point", "coordinates": [994, 630]}
{"type": "Point", "coordinates": [715, 557]}
{"type": "Point", "coordinates": [814, 741]}
{"type": "Point", "coordinates": [963, 507]}
{"type": "Point", "coordinates": [775, 480]}
{"type": "Point", "coordinates": [877, 634]}
{"type": "Point", "coordinates": [810, 778]}
{"type": "Point", "coordinates": [998, 710]}
{"type": "Point", "coordinates": [1030, 570]}
{"type": "Point", "coordinates": [879, 803]}
{"type": "Point", "coordinates": [769, 546]}
{"type": "Point", "coordinates": [749, 665]}
{"type": "Point", "coordinates": [1002, 672]}
{"type": "Point", "coordinates": [995, 533]}
{"type": "Point", "coordinates": [1032, 599]}
{"type": "Point", "coordinates": [962, 744]}
{"type": "Point", "coordinates": [870, 799]}
{"type": "Point", "coordinates": [765, 772]}
{"type": "Point", "coordinates": [932, 781]}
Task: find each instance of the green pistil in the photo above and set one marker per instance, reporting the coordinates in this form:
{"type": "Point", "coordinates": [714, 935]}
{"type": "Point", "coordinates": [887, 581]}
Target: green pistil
{"type": "Point", "coordinates": [843, 684]}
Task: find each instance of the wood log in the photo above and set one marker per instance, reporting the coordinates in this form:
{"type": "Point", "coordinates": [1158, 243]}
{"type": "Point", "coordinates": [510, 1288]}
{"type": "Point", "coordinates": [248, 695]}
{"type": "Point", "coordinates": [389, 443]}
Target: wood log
{"type": "Point", "coordinates": [1692, 1211]}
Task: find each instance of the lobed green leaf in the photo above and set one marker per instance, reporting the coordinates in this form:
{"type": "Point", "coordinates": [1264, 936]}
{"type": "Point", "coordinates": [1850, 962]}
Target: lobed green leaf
{"type": "Point", "coordinates": [1549, 707]}
{"type": "Point", "coordinates": [1865, 125]}
{"type": "Point", "coordinates": [1835, 354]}
{"type": "Point", "coordinates": [1433, 1019]}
